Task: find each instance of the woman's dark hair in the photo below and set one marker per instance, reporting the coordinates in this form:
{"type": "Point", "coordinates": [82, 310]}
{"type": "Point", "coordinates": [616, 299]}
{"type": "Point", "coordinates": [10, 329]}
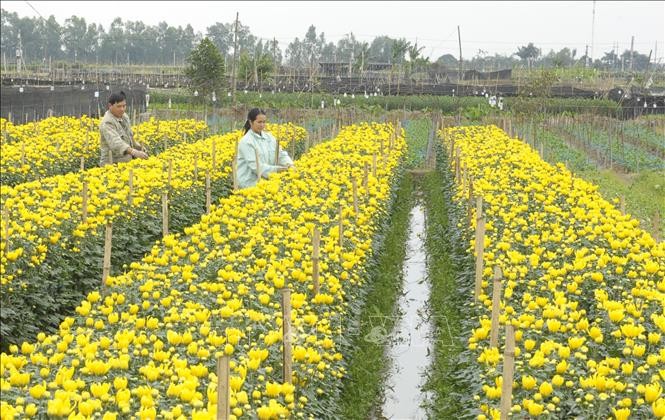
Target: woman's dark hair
{"type": "Point", "coordinates": [251, 117]}
{"type": "Point", "coordinates": [117, 97]}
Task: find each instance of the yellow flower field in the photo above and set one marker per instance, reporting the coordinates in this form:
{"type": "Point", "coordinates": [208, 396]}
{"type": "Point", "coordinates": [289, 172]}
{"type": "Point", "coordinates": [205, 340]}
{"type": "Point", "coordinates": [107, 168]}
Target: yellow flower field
{"type": "Point", "coordinates": [148, 347]}
{"type": "Point", "coordinates": [584, 287]}
{"type": "Point", "coordinates": [55, 146]}
{"type": "Point", "coordinates": [49, 255]}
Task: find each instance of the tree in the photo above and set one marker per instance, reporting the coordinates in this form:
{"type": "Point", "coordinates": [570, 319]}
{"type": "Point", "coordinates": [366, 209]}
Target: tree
{"type": "Point", "coordinates": [381, 49]}
{"type": "Point", "coordinates": [528, 53]}
{"type": "Point", "coordinates": [205, 68]}
{"type": "Point", "coordinates": [448, 60]}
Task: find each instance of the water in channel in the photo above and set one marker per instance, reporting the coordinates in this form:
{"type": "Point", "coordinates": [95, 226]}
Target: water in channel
{"type": "Point", "coordinates": [411, 344]}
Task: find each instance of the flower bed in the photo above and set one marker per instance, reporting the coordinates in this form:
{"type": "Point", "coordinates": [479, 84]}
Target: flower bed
{"type": "Point", "coordinates": [583, 287]}
{"type": "Point", "coordinates": [149, 346]}
{"type": "Point", "coordinates": [50, 256]}
{"type": "Point", "coordinates": [55, 146]}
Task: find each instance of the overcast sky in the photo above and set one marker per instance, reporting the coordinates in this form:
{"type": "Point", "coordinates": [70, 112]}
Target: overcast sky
{"type": "Point", "coordinates": [493, 27]}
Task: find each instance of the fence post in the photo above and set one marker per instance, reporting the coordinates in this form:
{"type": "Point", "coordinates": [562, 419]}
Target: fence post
{"type": "Point", "coordinates": [223, 388]}
{"type": "Point", "coordinates": [106, 266]}
{"type": "Point", "coordinates": [508, 370]}
{"type": "Point", "coordinates": [286, 333]}
{"type": "Point", "coordinates": [496, 307]}
{"type": "Point", "coordinates": [316, 240]}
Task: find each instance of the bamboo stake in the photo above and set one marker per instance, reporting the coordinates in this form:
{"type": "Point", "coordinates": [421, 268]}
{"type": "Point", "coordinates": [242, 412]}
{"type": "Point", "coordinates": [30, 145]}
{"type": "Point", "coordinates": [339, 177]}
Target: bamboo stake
{"type": "Point", "coordinates": [354, 186]}
{"type": "Point", "coordinates": [214, 154]}
{"type": "Point", "coordinates": [106, 266]}
{"type": "Point", "coordinates": [223, 388]}
{"type": "Point", "coordinates": [480, 250]}
{"type": "Point", "coordinates": [84, 202]}
{"type": "Point", "coordinates": [458, 169]}
{"type": "Point", "coordinates": [508, 371]}
{"type": "Point", "coordinates": [656, 226]}
{"type": "Point", "coordinates": [470, 204]}
{"type": "Point", "coordinates": [82, 164]}
{"type": "Point", "coordinates": [165, 214]}
{"type": "Point", "coordinates": [235, 168]}
{"type": "Point", "coordinates": [316, 240]}
{"type": "Point", "coordinates": [496, 307]}
{"type": "Point", "coordinates": [286, 331]}
{"type": "Point", "coordinates": [208, 192]}
{"type": "Point", "coordinates": [374, 165]}
{"type": "Point", "coordinates": [130, 182]}
{"type": "Point", "coordinates": [5, 231]}
{"type": "Point", "coordinates": [341, 226]}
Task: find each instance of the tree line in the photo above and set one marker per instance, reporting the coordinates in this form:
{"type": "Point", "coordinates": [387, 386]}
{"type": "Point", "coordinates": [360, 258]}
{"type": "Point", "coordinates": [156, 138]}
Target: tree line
{"type": "Point", "coordinates": [133, 42]}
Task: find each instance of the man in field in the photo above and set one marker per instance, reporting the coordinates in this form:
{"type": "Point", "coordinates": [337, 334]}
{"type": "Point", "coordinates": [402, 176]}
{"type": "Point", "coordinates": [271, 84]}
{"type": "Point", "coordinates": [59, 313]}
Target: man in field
{"type": "Point", "coordinates": [116, 139]}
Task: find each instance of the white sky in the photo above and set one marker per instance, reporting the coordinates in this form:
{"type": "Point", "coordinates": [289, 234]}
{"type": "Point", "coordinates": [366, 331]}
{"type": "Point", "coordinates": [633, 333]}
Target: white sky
{"type": "Point", "coordinates": [494, 27]}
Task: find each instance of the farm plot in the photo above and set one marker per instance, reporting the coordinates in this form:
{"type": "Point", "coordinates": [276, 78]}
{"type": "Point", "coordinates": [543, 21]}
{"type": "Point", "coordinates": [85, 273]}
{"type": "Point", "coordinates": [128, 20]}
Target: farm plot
{"type": "Point", "coordinates": [60, 145]}
{"type": "Point", "coordinates": [148, 346]}
{"type": "Point", "coordinates": [575, 284]}
{"type": "Point", "coordinates": [54, 228]}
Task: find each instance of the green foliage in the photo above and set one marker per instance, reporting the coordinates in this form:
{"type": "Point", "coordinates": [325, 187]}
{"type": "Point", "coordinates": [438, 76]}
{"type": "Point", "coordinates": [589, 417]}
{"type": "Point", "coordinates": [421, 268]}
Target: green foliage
{"type": "Point", "coordinates": [368, 363]}
{"type": "Point", "coordinates": [54, 288]}
{"type": "Point", "coordinates": [476, 113]}
{"type": "Point", "coordinates": [205, 69]}
{"type": "Point", "coordinates": [446, 299]}
{"type": "Point", "coordinates": [417, 138]}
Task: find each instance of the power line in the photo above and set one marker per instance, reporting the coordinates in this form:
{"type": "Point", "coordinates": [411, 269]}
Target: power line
{"type": "Point", "coordinates": [36, 11]}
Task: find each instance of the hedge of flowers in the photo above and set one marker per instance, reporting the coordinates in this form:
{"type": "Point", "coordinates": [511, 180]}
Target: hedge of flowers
{"type": "Point", "coordinates": [583, 286]}
{"type": "Point", "coordinates": [148, 346]}
{"type": "Point", "coordinates": [55, 146]}
{"type": "Point", "coordinates": [49, 255]}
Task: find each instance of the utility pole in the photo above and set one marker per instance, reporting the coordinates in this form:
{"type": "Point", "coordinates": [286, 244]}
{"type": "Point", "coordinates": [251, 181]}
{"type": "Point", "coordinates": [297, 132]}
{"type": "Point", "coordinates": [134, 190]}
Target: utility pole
{"type": "Point", "coordinates": [586, 56]}
{"type": "Point", "coordinates": [235, 56]}
{"type": "Point", "coordinates": [593, 22]}
{"type": "Point", "coordinates": [632, 58]}
{"type": "Point", "coordinates": [459, 38]}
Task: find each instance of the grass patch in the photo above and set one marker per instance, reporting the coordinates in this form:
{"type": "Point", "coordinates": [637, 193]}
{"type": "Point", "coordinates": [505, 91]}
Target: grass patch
{"type": "Point", "coordinates": [445, 301]}
{"type": "Point", "coordinates": [644, 193]}
{"type": "Point", "coordinates": [368, 363]}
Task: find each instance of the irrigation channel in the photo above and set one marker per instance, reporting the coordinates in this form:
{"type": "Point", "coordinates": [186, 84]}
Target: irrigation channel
{"type": "Point", "coordinates": [411, 345]}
